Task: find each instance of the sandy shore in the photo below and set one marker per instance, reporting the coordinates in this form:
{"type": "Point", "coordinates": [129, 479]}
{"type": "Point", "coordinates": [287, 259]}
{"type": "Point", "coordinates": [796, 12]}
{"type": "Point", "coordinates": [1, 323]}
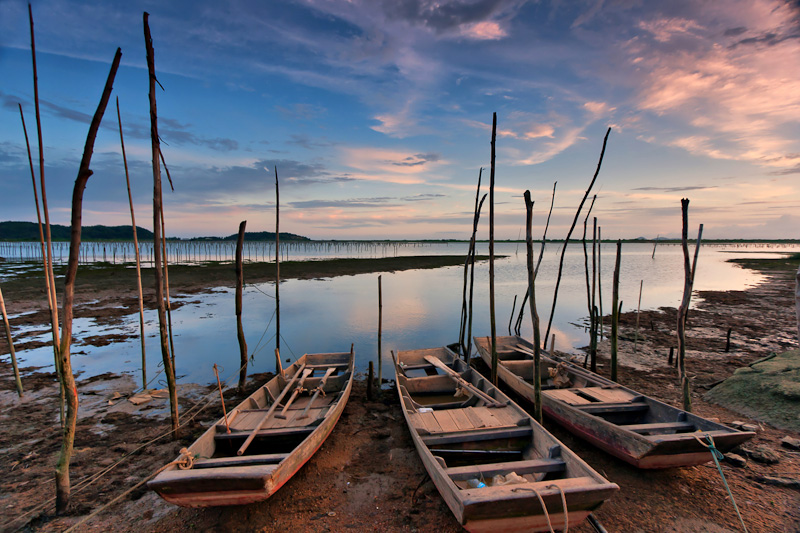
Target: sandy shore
{"type": "Point", "coordinates": [367, 476]}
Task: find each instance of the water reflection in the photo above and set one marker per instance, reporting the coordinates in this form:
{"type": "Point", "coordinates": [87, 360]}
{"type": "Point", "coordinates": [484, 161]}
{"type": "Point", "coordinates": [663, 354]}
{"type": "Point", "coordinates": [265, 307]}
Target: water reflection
{"type": "Point", "coordinates": [421, 308]}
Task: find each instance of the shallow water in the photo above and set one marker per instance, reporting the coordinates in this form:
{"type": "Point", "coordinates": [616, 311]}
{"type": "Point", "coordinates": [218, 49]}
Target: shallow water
{"type": "Point", "coordinates": [421, 308]}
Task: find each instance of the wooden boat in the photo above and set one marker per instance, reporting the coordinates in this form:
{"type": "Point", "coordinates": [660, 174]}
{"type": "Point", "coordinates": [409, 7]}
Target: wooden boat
{"type": "Point", "coordinates": [250, 453]}
{"type": "Point", "coordinates": [469, 434]}
{"type": "Point", "coordinates": [635, 428]}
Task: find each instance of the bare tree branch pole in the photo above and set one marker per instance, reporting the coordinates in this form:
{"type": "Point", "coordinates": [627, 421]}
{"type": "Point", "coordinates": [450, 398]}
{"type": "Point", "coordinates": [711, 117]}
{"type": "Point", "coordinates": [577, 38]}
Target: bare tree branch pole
{"type": "Point", "coordinates": [683, 309]}
{"type": "Point", "coordinates": [593, 316]}
{"type": "Point", "coordinates": [493, 325]}
{"type": "Point", "coordinates": [169, 368]}
{"type": "Point", "coordinates": [463, 324]}
{"type": "Point", "coordinates": [136, 251]}
{"type": "Point", "coordinates": [569, 234]}
{"type": "Point", "coordinates": [67, 378]}
{"type": "Point", "coordinates": [615, 313]}
{"type": "Point", "coordinates": [537, 372]}
{"type": "Point", "coordinates": [239, 290]}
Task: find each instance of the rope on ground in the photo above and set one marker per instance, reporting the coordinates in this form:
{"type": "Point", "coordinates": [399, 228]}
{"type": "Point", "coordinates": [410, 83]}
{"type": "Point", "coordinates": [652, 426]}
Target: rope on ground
{"type": "Point", "coordinates": [89, 480]}
{"type": "Point", "coordinates": [183, 462]}
{"type": "Point", "coordinates": [717, 455]}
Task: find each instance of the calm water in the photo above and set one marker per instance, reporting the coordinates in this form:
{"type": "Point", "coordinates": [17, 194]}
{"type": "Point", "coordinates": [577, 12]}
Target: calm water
{"type": "Point", "coordinates": [421, 308]}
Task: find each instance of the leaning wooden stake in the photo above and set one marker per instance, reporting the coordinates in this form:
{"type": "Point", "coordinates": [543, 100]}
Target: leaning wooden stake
{"type": "Point", "coordinates": [67, 378]}
{"type": "Point", "coordinates": [239, 289]}
{"type": "Point", "coordinates": [380, 326]}
{"type": "Point", "coordinates": [599, 280]}
{"type": "Point", "coordinates": [683, 309]}
{"type": "Point", "coordinates": [569, 233]}
{"type": "Point", "coordinates": [11, 345]}
{"type": "Point", "coordinates": [470, 252]}
{"type": "Point", "coordinates": [468, 350]}
{"type": "Point", "coordinates": [537, 375]}
{"type": "Point", "coordinates": [638, 310]}
{"type": "Point", "coordinates": [167, 305]}
{"type": "Point", "coordinates": [277, 264]}
{"type": "Point", "coordinates": [136, 250]}
{"type": "Point", "coordinates": [169, 369]}
{"type": "Point", "coordinates": [595, 319]}
{"type": "Point", "coordinates": [492, 323]}
{"type": "Point", "coordinates": [615, 313]}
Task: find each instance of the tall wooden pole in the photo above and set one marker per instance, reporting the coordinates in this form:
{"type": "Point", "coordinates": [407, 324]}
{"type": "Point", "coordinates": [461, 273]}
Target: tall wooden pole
{"type": "Point", "coordinates": [277, 265]}
{"type": "Point", "coordinates": [599, 279]}
{"type": "Point", "coordinates": [615, 313]}
{"type": "Point", "coordinates": [683, 309]}
{"type": "Point", "coordinates": [571, 229]}
{"type": "Point", "coordinates": [239, 290]}
{"type": "Point", "coordinates": [464, 312]}
{"type": "Point", "coordinates": [10, 339]}
{"type": "Point", "coordinates": [594, 320]}
{"type": "Point", "coordinates": [136, 251]}
{"type": "Point", "coordinates": [67, 378]}
{"type": "Point", "coordinates": [51, 283]}
{"type": "Point", "coordinates": [380, 331]}
{"type": "Point", "coordinates": [167, 304]}
{"type": "Point", "coordinates": [537, 341]}
{"type": "Point", "coordinates": [638, 310]}
{"type": "Point", "coordinates": [169, 369]}
{"type": "Point", "coordinates": [491, 255]}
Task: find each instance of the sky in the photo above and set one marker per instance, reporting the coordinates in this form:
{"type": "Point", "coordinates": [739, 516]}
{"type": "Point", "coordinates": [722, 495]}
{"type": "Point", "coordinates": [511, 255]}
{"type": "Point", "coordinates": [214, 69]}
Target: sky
{"type": "Point", "coordinates": [377, 114]}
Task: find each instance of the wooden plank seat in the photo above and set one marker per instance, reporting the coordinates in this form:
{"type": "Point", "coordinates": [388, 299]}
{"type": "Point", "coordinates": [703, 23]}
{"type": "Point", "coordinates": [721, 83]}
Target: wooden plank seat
{"type": "Point", "coordinates": [485, 471]}
{"type": "Point", "coordinates": [566, 396]}
{"type": "Point", "coordinates": [244, 460]}
{"type": "Point", "coordinates": [477, 435]}
{"type": "Point", "coordinates": [661, 427]}
{"type": "Point", "coordinates": [607, 408]}
{"type": "Point", "coordinates": [681, 436]}
{"type": "Point", "coordinates": [274, 432]}
{"type": "Point", "coordinates": [607, 394]}
{"type": "Point", "coordinates": [328, 365]}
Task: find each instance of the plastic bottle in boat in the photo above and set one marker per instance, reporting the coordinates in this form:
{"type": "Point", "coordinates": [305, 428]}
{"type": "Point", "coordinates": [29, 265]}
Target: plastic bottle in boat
{"type": "Point", "coordinates": [475, 483]}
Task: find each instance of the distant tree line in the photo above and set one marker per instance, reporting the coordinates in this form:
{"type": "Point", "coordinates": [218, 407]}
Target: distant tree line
{"type": "Point", "coordinates": [255, 236]}
{"type": "Point", "coordinates": [29, 231]}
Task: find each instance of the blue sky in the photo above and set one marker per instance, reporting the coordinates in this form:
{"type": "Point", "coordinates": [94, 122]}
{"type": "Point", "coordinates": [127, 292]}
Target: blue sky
{"type": "Point", "coordinates": [378, 113]}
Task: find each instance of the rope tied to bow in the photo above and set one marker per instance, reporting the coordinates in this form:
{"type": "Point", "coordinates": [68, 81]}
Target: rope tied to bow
{"type": "Point", "coordinates": [185, 460]}
{"type": "Point", "coordinates": [717, 455]}
{"type": "Point", "coordinates": [544, 507]}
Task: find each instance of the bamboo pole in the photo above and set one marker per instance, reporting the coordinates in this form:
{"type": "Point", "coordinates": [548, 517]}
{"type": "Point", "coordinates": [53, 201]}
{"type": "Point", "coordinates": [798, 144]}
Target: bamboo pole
{"type": "Point", "coordinates": [51, 283]}
{"type": "Point", "coordinates": [17, 381]}
{"type": "Point", "coordinates": [277, 264]}
{"type": "Point", "coordinates": [468, 350]}
{"type": "Point", "coordinates": [136, 251]}
{"type": "Point", "coordinates": [239, 290]}
{"type": "Point", "coordinates": [569, 233]}
{"type": "Point", "coordinates": [67, 378]}
{"type": "Point", "coordinates": [491, 254]}
{"type": "Point", "coordinates": [537, 376]}
{"type": "Point", "coordinates": [599, 279]}
{"type": "Point", "coordinates": [169, 368]}
{"type": "Point", "coordinates": [380, 326]}
{"type": "Point", "coordinates": [615, 313]}
{"type": "Point", "coordinates": [594, 319]}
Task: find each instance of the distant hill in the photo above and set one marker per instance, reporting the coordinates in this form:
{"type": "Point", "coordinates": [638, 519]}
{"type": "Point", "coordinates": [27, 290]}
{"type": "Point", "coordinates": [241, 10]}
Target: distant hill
{"type": "Point", "coordinates": [29, 231]}
{"type": "Point", "coordinates": [256, 236]}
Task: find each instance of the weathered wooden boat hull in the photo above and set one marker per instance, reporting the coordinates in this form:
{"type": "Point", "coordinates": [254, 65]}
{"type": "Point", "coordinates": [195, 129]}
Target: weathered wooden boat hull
{"type": "Point", "coordinates": [643, 451]}
{"type": "Point", "coordinates": [482, 430]}
{"type": "Point", "coordinates": [205, 486]}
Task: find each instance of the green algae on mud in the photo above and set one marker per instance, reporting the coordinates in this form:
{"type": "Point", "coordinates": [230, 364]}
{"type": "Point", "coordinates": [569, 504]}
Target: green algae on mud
{"type": "Point", "coordinates": [767, 390]}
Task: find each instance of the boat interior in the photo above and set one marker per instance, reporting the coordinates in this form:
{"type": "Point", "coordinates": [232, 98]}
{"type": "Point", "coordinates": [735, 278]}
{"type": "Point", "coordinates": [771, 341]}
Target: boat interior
{"type": "Point", "coordinates": [276, 418]}
{"type": "Point", "coordinates": [473, 433]}
{"type": "Point", "coordinates": [601, 397]}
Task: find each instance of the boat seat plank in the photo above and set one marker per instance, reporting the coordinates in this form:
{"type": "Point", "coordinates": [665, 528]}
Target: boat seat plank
{"type": "Point", "coordinates": [477, 421]}
{"type": "Point", "coordinates": [506, 415]}
{"type": "Point", "coordinates": [681, 436]}
{"type": "Point", "coordinates": [429, 422]}
{"type": "Point", "coordinates": [660, 427]}
{"type": "Point", "coordinates": [509, 432]}
{"type": "Point", "coordinates": [601, 408]}
{"type": "Point", "coordinates": [461, 419]}
{"type": "Point", "coordinates": [608, 395]}
{"type": "Point", "coordinates": [328, 365]}
{"type": "Point", "coordinates": [446, 421]}
{"type": "Point", "coordinates": [276, 432]}
{"type": "Point", "coordinates": [566, 396]}
{"type": "Point", "coordinates": [487, 416]}
{"type": "Point", "coordinates": [522, 490]}
{"type": "Point", "coordinates": [486, 471]}
{"type": "Point", "coordinates": [220, 462]}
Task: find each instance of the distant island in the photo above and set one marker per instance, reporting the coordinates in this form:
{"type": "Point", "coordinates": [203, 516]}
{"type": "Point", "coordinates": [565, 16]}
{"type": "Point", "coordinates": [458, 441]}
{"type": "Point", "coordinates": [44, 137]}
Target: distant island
{"type": "Point", "coordinates": [29, 231]}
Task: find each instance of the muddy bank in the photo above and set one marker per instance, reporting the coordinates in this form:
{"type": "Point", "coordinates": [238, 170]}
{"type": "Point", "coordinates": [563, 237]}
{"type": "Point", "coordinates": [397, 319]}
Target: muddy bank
{"type": "Point", "coordinates": [367, 477]}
